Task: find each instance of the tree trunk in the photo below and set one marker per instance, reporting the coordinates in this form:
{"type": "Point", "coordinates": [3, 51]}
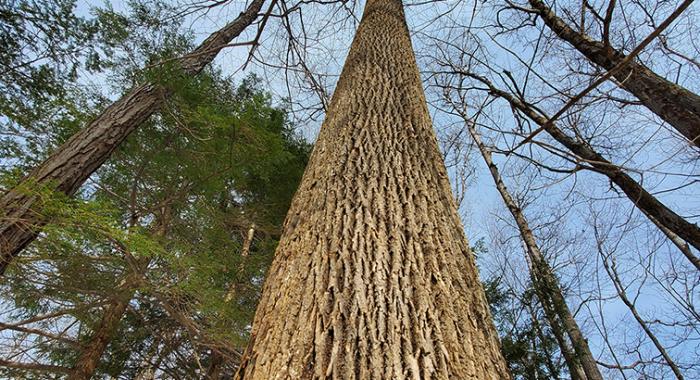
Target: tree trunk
{"type": "Point", "coordinates": [656, 211]}
{"type": "Point", "coordinates": [576, 371]}
{"type": "Point", "coordinates": [215, 367]}
{"type": "Point", "coordinates": [673, 103]}
{"type": "Point", "coordinates": [577, 374]}
{"type": "Point", "coordinates": [373, 277]}
{"type": "Point", "coordinates": [72, 163]}
{"type": "Point", "coordinates": [90, 355]}
{"type": "Point", "coordinates": [543, 278]}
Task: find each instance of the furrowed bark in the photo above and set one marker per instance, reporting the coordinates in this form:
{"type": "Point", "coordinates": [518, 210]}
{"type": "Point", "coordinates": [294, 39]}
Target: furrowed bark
{"type": "Point", "coordinates": [657, 212]}
{"type": "Point", "coordinates": [373, 277]}
{"type": "Point", "coordinates": [543, 278]}
{"type": "Point", "coordinates": [73, 163]}
{"type": "Point", "coordinates": [675, 104]}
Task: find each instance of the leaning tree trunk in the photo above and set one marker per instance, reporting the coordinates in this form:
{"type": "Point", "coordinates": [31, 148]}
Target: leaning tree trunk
{"type": "Point", "coordinates": [674, 226]}
{"type": "Point", "coordinates": [673, 103]}
{"type": "Point", "coordinates": [71, 165]}
{"type": "Point", "coordinates": [373, 277]}
{"type": "Point", "coordinates": [544, 281]}
{"type": "Point", "coordinates": [89, 357]}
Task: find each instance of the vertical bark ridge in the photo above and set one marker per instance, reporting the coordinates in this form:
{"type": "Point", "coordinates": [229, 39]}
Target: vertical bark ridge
{"type": "Point", "coordinates": [373, 277]}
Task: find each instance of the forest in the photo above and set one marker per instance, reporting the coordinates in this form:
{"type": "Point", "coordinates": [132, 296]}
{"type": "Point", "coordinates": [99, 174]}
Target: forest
{"type": "Point", "coordinates": [343, 189]}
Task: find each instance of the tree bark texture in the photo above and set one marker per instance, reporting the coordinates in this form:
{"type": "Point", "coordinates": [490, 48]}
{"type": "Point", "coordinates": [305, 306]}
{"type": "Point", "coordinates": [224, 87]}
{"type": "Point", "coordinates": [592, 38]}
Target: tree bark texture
{"type": "Point", "coordinates": [74, 161]}
{"type": "Point", "coordinates": [373, 277]}
{"type": "Point", "coordinates": [673, 103]}
{"type": "Point", "coordinates": [544, 280]}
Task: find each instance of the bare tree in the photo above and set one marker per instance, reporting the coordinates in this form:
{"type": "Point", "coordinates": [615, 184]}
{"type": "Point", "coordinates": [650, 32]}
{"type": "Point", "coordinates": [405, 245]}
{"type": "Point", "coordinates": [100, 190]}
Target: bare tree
{"type": "Point", "coordinates": [672, 102]}
{"type": "Point", "coordinates": [582, 365]}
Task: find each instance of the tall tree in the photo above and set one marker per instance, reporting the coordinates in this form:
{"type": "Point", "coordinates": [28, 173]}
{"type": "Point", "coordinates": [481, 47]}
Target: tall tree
{"type": "Point", "coordinates": [373, 277]}
{"type": "Point", "coordinates": [582, 365]}
{"type": "Point", "coordinates": [71, 164]}
{"type": "Point", "coordinates": [679, 231]}
{"type": "Point", "coordinates": [159, 267]}
{"type": "Point", "coordinates": [673, 103]}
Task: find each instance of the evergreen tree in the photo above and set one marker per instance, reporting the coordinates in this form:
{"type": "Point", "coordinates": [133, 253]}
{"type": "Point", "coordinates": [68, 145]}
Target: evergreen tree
{"type": "Point", "coordinates": [161, 245]}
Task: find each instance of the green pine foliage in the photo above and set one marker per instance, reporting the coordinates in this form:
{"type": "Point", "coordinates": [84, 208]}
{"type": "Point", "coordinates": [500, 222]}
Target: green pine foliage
{"type": "Point", "coordinates": [527, 343]}
{"type": "Point", "coordinates": [163, 222]}
{"type": "Point", "coordinates": [180, 194]}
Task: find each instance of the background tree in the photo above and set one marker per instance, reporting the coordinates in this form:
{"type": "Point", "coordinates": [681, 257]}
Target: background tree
{"type": "Point", "coordinates": [167, 232]}
{"type": "Point", "coordinates": [558, 187]}
{"type": "Point", "coordinates": [67, 168]}
{"type": "Point", "coordinates": [153, 270]}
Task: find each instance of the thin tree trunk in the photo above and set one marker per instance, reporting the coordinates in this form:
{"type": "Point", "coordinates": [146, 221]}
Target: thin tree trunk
{"type": "Point", "coordinates": [71, 165]}
{"type": "Point", "coordinates": [673, 103]}
{"type": "Point", "coordinates": [245, 251]}
{"type": "Point", "coordinates": [543, 278]}
{"type": "Point", "coordinates": [90, 355]}
{"type": "Point", "coordinates": [215, 367]}
{"type": "Point", "coordinates": [549, 359]}
{"type": "Point", "coordinates": [373, 277]}
{"type": "Point", "coordinates": [656, 211]}
{"type": "Point", "coordinates": [248, 241]}
{"type": "Point", "coordinates": [576, 370]}
{"type": "Point", "coordinates": [622, 293]}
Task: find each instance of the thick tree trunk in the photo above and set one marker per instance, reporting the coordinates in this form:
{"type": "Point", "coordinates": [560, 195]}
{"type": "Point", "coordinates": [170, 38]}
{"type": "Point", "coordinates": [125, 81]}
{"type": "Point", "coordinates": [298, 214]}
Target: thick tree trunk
{"type": "Point", "coordinates": [373, 277]}
{"type": "Point", "coordinates": [544, 280]}
{"type": "Point", "coordinates": [673, 103]}
{"type": "Point", "coordinates": [71, 165]}
{"type": "Point", "coordinates": [656, 211]}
